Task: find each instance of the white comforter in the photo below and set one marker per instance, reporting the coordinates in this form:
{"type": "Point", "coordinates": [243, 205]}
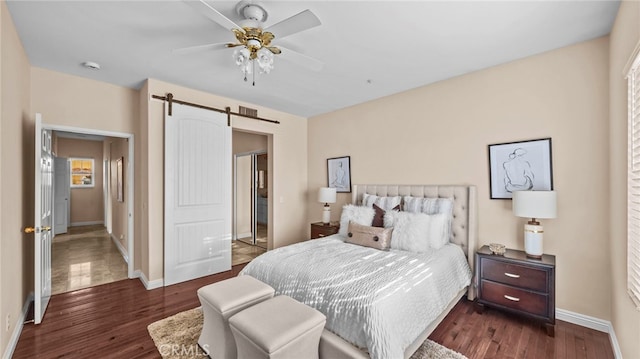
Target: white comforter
{"type": "Point", "coordinates": [380, 301]}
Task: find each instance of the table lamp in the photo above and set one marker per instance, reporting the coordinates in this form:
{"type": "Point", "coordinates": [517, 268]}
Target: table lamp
{"type": "Point", "coordinates": [326, 195]}
{"type": "Point", "coordinates": [534, 204]}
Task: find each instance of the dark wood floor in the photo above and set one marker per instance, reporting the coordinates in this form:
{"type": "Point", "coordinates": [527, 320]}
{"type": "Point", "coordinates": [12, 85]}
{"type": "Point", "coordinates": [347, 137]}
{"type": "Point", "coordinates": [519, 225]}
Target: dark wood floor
{"type": "Point", "coordinates": [495, 334]}
{"type": "Point", "coordinates": [110, 321]}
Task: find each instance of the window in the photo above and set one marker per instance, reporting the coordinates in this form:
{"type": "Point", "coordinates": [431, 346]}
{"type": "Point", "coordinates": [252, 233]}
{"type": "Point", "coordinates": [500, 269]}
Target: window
{"type": "Point", "coordinates": [633, 183]}
{"type": "Point", "coordinates": [81, 172]}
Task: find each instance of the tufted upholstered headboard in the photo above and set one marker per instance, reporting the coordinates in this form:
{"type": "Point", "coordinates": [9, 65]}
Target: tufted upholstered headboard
{"type": "Point", "coordinates": [465, 217]}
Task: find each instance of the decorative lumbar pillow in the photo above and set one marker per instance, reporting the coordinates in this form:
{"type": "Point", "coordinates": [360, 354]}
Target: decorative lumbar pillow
{"type": "Point", "coordinates": [386, 203]}
{"type": "Point", "coordinates": [356, 214]}
{"type": "Point", "coordinates": [378, 218]}
{"type": "Point", "coordinates": [374, 237]}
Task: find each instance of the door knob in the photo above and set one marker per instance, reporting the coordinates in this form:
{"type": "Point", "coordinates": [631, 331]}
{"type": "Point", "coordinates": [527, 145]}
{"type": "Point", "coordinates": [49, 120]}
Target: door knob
{"type": "Point", "coordinates": [29, 230]}
{"type": "Point", "coordinates": [46, 229]}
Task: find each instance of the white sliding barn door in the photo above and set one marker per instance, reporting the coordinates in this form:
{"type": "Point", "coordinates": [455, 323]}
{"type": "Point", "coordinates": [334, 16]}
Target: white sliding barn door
{"type": "Point", "coordinates": [198, 183]}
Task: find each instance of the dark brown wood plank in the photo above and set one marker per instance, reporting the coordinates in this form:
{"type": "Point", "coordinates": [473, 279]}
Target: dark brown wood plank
{"type": "Point", "coordinates": [513, 336]}
{"type": "Point", "coordinates": [110, 321]}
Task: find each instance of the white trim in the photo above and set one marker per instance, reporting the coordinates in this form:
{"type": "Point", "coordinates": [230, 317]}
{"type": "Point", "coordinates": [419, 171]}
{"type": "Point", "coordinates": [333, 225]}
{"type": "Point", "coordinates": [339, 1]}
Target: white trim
{"type": "Point", "coordinates": [243, 235]}
{"type": "Point", "coordinates": [17, 330]}
{"type": "Point", "coordinates": [630, 62]}
{"type": "Point", "coordinates": [88, 223]}
{"type": "Point", "coordinates": [586, 321]}
{"type": "Point", "coordinates": [617, 353]}
{"type": "Point", "coordinates": [158, 283]}
{"type": "Point", "coordinates": [121, 249]}
{"type": "Point", "coordinates": [130, 177]}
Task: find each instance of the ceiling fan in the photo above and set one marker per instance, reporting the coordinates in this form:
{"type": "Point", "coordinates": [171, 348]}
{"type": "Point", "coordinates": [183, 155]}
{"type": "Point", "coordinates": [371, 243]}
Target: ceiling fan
{"type": "Point", "coordinates": [253, 46]}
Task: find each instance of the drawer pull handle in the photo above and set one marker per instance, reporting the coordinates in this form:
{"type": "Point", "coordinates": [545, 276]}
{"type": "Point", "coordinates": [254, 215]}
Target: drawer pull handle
{"type": "Point", "coordinates": [512, 298]}
{"type": "Point", "coordinates": [511, 275]}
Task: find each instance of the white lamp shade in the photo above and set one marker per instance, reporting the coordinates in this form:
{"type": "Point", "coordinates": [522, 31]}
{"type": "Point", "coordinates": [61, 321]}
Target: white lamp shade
{"type": "Point", "coordinates": [327, 195]}
{"type": "Point", "coordinates": [534, 204]}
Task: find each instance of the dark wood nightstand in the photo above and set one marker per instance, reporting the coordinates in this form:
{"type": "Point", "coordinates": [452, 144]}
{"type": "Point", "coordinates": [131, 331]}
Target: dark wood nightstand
{"type": "Point", "coordinates": [319, 229]}
{"type": "Point", "coordinates": [518, 284]}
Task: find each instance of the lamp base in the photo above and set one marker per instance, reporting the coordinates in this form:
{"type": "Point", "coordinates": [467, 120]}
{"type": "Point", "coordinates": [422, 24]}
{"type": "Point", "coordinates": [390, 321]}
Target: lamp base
{"type": "Point", "coordinates": [533, 240]}
{"type": "Point", "coordinates": [326, 214]}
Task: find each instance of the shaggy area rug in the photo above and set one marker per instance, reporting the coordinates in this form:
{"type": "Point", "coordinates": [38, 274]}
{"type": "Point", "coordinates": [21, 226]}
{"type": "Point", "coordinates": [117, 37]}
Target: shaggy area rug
{"type": "Point", "coordinates": [176, 337]}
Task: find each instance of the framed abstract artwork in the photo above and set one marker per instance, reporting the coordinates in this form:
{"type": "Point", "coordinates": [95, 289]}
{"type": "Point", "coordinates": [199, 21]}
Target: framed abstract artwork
{"type": "Point", "coordinates": [520, 166]}
{"type": "Point", "coordinates": [339, 173]}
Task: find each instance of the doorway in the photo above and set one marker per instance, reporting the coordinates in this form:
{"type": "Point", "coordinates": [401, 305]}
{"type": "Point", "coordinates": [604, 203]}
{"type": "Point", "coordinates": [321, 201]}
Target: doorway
{"type": "Point", "coordinates": [92, 224]}
{"type": "Point", "coordinates": [251, 199]}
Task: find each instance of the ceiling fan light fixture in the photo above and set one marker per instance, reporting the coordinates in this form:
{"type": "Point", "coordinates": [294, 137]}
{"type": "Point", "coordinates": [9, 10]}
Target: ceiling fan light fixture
{"type": "Point", "coordinates": [265, 60]}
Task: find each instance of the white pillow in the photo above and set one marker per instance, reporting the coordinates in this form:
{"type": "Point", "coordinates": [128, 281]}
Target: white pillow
{"type": "Point", "coordinates": [417, 232]}
{"type": "Point", "coordinates": [356, 214]}
{"type": "Point", "coordinates": [386, 203]}
{"type": "Point", "coordinates": [428, 205]}
{"type": "Point", "coordinates": [439, 230]}
{"type": "Point", "coordinates": [409, 231]}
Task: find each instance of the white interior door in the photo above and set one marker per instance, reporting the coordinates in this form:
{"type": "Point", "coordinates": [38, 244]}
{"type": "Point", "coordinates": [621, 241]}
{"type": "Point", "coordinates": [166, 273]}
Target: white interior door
{"type": "Point", "coordinates": [61, 189]}
{"type": "Point", "coordinates": [198, 183]}
{"type": "Point", "coordinates": [42, 216]}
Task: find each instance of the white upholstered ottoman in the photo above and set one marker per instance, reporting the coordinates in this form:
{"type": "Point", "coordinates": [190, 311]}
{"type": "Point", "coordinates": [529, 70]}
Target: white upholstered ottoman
{"type": "Point", "coordinates": [278, 328]}
{"type": "Point", "coordinates": [220, 301]}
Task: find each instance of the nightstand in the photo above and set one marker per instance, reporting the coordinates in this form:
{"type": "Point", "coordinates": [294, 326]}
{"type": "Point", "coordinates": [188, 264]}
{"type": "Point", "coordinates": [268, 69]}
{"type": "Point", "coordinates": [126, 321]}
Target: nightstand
{"type": "Point", "coordinates": [517, 284]}
{"type": "Point", "coordinates": [319, 229]}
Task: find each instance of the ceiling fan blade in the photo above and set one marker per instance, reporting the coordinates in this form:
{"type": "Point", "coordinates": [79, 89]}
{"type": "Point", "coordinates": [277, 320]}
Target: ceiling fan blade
{"type": "Point", "coordinates": [199, 48]}
{"type": "Point", "coordinates": [300, 59]}
{"type": "Point", "coordinates": [294, 24]}
{"type": "Point", "coordinates": [207, 10]}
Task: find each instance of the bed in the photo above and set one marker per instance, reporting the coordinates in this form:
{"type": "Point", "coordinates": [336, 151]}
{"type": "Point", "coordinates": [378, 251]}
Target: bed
{"type": "Point", "coordinates": [379, 304]}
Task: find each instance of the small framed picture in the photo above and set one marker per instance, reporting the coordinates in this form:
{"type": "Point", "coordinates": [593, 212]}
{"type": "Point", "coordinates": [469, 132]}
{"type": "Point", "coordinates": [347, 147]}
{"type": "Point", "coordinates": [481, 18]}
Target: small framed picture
{"type": "Point", "coordinates": [520, 166]}
{"type": "Point", "coordinates": [119, 180]}
{"type": "Point", "coordinates": [339, 173]}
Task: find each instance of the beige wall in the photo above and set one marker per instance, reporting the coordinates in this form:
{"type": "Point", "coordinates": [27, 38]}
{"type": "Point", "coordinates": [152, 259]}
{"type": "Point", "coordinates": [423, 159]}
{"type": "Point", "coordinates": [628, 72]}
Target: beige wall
{"type": "Point", "coordinates": [16, 173]}
{"type": "Point", "coordinates": [288, 166]}
{"type": "Point", "coordinates": [439, 134]}
{"type": "Point", "coordinates": [118, 148]}
{"type": "Point", "coordinates": [624, 38]}
{"type": "Point", "coordinates": [87, 204]}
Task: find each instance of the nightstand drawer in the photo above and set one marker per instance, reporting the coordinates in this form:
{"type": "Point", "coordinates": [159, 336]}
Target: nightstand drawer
{"type": "Point", "coordinates": [320, 230]}
{"type": "Point", "coordinates": [515, 275]}
{"type": "Point", "coordinates": [515, 298]}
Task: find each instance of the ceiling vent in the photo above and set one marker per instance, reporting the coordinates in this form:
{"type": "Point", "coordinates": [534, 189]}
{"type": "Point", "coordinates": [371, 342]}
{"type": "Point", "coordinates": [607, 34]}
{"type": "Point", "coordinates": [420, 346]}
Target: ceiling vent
{"type": "Point", "coordinates": [248, 111]}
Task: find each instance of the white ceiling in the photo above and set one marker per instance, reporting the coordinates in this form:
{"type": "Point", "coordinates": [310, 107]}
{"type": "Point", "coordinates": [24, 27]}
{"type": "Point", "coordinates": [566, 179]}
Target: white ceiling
{"type": "Point", "coordinates": [370, 49]}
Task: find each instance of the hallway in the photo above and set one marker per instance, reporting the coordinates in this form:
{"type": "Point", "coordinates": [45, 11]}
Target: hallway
{"type": "Point", "coordinates": [85, 257]}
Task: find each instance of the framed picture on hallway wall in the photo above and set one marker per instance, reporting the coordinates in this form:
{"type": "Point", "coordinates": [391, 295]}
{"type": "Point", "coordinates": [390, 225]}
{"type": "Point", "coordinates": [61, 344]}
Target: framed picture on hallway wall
{"type": "Point", "coordinates": [339, 173]}
{"type": "Point", "coordinates": [81, 172]}
{"type": "Point", "coordinates": [119, 180]}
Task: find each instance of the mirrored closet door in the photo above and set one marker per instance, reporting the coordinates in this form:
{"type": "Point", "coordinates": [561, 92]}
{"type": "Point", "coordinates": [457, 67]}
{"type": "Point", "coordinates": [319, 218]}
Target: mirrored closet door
{"type": "Point", "coordinates": [251, 198]}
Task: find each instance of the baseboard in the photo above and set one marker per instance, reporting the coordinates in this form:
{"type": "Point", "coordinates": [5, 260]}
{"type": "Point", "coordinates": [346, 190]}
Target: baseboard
{"type": "Point", "coordinates": [120, 247]}
{"type": "Point", "coordinates": [90, 223]}
{"type": "Point", "coordinates": [243, 235]}
{"type": "Point", "coordinates": [17, 330]}
{"type": "Point", "coordinates": [158, 283]}
{"type": "Point", "coordinates": [592, 323]}
{"type": "Point", "coordinates": [617, 353]}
